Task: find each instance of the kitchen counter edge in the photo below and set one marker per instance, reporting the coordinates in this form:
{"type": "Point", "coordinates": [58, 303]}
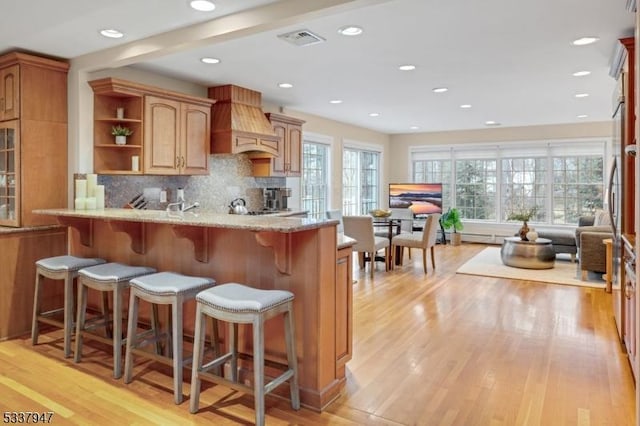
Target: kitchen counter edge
{"type": "Point", "coordinates": [272, 223]}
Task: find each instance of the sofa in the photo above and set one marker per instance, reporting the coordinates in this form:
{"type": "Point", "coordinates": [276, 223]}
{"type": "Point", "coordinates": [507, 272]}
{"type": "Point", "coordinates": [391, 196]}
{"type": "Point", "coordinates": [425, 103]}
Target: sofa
{"type": "Point", "coordinates": [590, 233]}
{"type": "Point", "coordinates": [564, 241]}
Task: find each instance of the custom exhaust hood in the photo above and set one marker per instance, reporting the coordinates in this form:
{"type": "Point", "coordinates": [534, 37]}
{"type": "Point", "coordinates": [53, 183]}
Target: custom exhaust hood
{"type": "Point", "coordinates": [238, 123]}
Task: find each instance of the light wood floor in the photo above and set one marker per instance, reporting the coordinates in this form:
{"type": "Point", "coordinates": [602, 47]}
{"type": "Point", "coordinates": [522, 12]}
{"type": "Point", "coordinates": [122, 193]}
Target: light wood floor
{"type": "Point", "coordinates": [438, 349]}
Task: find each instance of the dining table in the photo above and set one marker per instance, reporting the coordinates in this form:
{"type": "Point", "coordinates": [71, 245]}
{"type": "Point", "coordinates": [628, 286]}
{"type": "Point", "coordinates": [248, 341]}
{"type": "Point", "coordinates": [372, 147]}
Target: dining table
{"type": "Point", "coordinates": [394, 227]}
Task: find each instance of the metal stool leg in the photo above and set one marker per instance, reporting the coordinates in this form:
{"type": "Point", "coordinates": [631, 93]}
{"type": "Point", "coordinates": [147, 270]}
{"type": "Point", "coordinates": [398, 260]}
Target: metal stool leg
{"type": "Point", "coordinates": [258, 369]}
{"type": "Point", "coordinates": [131, 336]}
{"type": "Point", "coordinates": [176, 320]}
{"type": "Point", "coordinates": [35, 328]}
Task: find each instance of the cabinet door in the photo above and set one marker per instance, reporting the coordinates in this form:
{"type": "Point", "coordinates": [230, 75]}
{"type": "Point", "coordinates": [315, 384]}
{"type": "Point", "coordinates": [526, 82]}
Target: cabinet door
{"type": "Point", "coordinates": [196, 139]}
{"type": "Point", "coordinates": [9, 174]}
{"type": "Point", "coordinates": [161, 136]}
{"type": "Point", "coordinates": [344, 309]}
{"type": "Point", "coordinates": [9, 93]}
{"type": "Point", "coordinates": [294, 151]}
{"type": "Point", "coordinates": [278, 162]}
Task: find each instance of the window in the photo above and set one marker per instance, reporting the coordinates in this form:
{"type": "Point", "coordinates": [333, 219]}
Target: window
{"type": "Point", "coordinates": [360, 181]}
{"type": "Point", "coordinates": [435, 171]}
{"type": "Point", "coordinates": [524, 186]}
{"type": "Point", "coordinates": [315, 178]}
{"type": "Point", "coordinates": [577, 187]}
{"type": "Point", "coordinates": [562, 180]}
{"type": "Point", "coordinates": [476, 189]}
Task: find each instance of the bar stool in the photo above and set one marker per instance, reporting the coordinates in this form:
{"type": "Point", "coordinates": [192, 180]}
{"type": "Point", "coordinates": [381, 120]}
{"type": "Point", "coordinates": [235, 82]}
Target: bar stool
{"type": "Point", "coordinates": [107, 277]}
{"type": "Point", "coordinates": [165, 288]}
{"type": "Point", "coordinates": [238, 304]}
{"type": "Point", "coordinates": [58, 268]}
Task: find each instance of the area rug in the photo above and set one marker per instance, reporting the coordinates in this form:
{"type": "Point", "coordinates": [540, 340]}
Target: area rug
{"type": "Point", "coordinates": [487, 263]}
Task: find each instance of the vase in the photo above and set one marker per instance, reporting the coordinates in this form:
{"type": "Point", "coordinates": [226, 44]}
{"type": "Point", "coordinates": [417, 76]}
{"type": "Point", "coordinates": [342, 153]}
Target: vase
{"type": "Point", "coordinates": [532, 235]}
{"type": "Point", "coordinates": [121, 140]}
{"type": "Point", "coordinates": [523, 232]}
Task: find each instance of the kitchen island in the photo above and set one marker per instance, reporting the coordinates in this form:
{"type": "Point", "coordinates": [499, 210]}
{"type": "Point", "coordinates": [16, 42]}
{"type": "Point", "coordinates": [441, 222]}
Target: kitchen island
{"type": "Point", "coordinates": [301, 255]}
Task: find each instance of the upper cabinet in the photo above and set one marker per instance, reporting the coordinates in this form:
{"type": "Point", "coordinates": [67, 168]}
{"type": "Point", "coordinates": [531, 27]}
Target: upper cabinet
{"type": "Point", "coordinates": [288, 162]}
{"type": "Point", "coordinates": [628, 136]}
{"type": "Point", "coordinates": [177, 137]}
{"type": "Point", "coordinates": [170, 131]}
{"type": "Point", "coordinates": [9, 93]}
{"type": "Point", "coordinates": [33, 138]}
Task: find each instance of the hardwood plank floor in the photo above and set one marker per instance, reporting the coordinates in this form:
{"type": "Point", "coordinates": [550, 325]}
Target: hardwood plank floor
{"type": "Point", "coordinates": [440, 349]}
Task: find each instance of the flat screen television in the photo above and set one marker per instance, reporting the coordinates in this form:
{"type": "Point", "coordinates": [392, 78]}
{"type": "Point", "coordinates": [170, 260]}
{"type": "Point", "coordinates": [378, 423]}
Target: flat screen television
{"type": "Point", "coordinates": [421, 198]}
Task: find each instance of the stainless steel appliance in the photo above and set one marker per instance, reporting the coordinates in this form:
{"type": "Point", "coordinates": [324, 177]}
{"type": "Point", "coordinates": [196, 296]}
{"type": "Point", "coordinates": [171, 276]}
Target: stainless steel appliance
{"type": "Point", "coordinates": [629, 293]}
{"type": "Point", "coordinates": [614, 204]}
{"type": "Point", "coordinates": [276, 198]}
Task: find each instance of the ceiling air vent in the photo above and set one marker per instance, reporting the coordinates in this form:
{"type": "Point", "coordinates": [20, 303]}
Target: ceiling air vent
{"type": "Point", "coordinates": [301, 38]}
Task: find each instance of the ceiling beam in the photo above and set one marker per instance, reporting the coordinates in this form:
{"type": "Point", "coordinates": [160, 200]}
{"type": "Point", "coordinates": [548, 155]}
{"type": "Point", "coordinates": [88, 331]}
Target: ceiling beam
{"type": "Point", "coordinates": [225, 28]}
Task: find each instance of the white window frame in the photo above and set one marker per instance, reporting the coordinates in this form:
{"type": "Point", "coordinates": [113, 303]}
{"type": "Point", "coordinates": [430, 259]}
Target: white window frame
{"type": "Point", "coordinates": [365, 146]}
{"type": "Point", "coordinates": [510, 149]}
{"type": "Point", "coordinates": [321, 139]}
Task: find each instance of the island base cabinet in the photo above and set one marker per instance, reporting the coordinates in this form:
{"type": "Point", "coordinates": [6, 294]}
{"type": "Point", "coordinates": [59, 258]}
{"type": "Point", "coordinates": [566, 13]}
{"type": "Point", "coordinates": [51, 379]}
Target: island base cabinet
{"type": "Point", "coordinates": [303, 262]}
{"type": "Point", "coordinates": [20, 251]}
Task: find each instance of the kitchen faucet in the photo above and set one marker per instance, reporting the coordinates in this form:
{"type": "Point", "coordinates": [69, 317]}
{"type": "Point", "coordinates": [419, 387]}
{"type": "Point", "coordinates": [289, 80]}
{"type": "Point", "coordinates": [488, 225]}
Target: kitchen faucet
{"type": "Point", "coordinates": [180, 203]}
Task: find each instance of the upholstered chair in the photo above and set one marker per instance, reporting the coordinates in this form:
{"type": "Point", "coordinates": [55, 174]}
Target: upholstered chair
{"type": "Point", "coordinates": [590, 232]}
{"type": "Point", "coordinates": [425, 240]}
{"type": "Point", "coordinates": [360, 228]}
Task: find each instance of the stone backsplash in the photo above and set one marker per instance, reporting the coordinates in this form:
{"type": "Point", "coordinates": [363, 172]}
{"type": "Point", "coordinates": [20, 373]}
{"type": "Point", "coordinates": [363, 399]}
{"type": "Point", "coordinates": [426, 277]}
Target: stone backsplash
{"type": "Point", "coordinates": [229, 178]}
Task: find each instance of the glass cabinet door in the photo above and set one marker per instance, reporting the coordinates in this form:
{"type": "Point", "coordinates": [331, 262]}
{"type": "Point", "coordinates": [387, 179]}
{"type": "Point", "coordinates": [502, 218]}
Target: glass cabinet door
{"type": "Point", "coordinates": [9, 202]}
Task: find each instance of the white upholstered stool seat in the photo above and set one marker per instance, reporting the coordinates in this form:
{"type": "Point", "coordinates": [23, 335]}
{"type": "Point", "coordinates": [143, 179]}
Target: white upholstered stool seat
{"type": "Point", "coordinates": [239, 304]}
{"type": "Point", "coordinates": [108, 277]}
{"type": "Point", "coordinates": [58, 268]}
{"type": "Point", "coordinates": [165, 288]}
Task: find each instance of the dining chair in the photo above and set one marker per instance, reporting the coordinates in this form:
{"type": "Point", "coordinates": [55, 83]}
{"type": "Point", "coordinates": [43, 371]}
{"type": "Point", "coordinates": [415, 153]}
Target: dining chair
{"type": "Point", "coordinates": [336, 214]}
{"type": "Point", "coordinates": [423, 240]}
{"type": "Point", "coordinates": [360, 228]}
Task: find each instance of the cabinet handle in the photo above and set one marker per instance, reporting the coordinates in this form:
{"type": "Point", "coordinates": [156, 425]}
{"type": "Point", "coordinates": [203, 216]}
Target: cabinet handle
{"type": "Point", "coordinates": [177, 162]}
{"type": "Point", "coordinates": [183, 162]}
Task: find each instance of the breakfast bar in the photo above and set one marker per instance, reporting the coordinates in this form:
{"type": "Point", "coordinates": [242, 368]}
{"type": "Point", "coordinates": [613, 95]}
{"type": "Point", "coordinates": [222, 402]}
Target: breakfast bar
{"type": "Point", "coordinates": [304, 256]}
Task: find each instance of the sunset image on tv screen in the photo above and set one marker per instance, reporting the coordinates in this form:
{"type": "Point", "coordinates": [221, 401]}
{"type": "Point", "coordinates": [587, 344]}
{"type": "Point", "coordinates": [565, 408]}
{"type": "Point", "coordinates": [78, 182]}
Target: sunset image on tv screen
{"type": "Point", "coordinates": [421, 198]}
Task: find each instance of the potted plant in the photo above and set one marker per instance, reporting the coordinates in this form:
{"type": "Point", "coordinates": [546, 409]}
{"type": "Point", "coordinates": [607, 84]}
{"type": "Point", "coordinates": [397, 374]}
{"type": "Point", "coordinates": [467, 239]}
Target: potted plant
{"type": "Point", "coordinates": [451, 219]}
{"type": "Point", "coordinates": [121, 134]}
{"type": "Point", "coordinates": [524, 216]}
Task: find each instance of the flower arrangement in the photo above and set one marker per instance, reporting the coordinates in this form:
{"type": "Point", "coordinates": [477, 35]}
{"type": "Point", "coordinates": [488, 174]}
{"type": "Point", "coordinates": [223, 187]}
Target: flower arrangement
{"type": "Point", "coordinates": [523, 215]}
{"type": "Point", "coordinates": [121, 131]}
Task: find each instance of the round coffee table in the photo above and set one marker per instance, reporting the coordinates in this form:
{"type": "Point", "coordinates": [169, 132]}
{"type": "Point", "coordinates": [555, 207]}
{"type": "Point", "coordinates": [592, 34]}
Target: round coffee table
{"type": "Point", "coordinates": [538, 254]}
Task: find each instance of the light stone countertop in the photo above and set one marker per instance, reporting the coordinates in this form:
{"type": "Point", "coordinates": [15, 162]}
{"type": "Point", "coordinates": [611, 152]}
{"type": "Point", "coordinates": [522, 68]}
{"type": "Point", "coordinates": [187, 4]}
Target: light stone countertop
{"type": "Point", "coordinates": [271, 222]}
{"type": "Point", "coordinates": [11, 230]}
{"type": "Point", "coordinates": [344, 241]}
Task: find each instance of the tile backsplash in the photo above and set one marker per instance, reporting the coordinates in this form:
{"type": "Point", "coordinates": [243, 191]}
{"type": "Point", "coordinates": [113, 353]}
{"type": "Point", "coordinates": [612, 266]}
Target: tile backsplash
{"type": "Point", "coordinates": [229, 178]}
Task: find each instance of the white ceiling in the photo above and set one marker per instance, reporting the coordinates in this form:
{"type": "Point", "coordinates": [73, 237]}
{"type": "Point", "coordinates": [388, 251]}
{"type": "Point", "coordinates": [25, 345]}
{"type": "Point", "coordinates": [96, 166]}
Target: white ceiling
{"type": "Point", "coordinates": [511, 59]}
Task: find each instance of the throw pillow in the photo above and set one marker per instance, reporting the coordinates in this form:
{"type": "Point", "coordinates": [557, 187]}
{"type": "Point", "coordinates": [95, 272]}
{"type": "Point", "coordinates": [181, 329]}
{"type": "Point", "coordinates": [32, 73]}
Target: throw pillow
{"type": "Point", "coordinates": [602, 218]}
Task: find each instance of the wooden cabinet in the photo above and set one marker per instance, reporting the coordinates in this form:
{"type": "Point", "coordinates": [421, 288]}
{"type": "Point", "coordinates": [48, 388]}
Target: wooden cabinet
{"type": "Point", "coordinates": [628, 138]}
{"type": "Point", "coordinates": [288, 162]}
{"type": "Point", "coordinates": [9, 93]}
{"type": "Point", "coordinates": [344, 309]}
{"type": "Point", "coordinates": [171, 131]}
{"type": "Point", "coordinates": [177, 137]}
{"type": "Point", "coordinates": [33, 138]}
{"type": "Point", "coordinates": [20, 250]}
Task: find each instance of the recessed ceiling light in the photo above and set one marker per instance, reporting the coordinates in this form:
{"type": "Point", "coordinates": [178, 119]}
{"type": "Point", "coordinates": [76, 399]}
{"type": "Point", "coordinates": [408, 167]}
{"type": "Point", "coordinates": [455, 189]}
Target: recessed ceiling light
{"type": "Point", "coordinates": [111, 33]}
{"type": "Point", "coordinates": [285, 85]}
{"type": "Point", "coordinates": [407, 67]}
{"type": "Point", "coordinates": [414, 127]}
{"type": "Point", "coordinates": [350, 30]}
{"type": "Point", "coordinates": [202, 5]}
{"type": "Point", "coordinates": [465, 106]}
{"type": "Point", "coordinates": [491, 123]}
{"type": "Point", "coordinates": [335, 101]}
{"type": "Point", "coordinates": [210, 60]}
{"type": "Point", "coordinates": [583, 41]}
{"type": "Point", "coordinates": [374, 114]}
{"type": "Point", "coordinates": [440, 90]}
{"type": "Point", "coordinates": [581, 73]}
{"type": "Point", "coordinates": [581, 95]}
{"type": "Point", "coordinates": [582, 116]}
